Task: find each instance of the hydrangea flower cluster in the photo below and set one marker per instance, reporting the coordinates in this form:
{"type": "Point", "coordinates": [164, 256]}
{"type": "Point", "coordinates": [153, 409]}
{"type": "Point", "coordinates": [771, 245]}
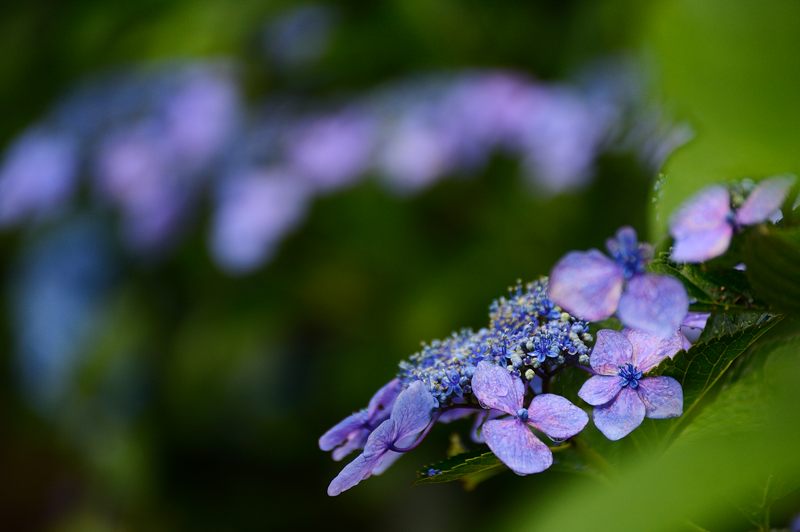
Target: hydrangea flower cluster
{"type": "Point", "coordinates": [528, 335]}
{"type": "Point", "coordinates": [491, 374]}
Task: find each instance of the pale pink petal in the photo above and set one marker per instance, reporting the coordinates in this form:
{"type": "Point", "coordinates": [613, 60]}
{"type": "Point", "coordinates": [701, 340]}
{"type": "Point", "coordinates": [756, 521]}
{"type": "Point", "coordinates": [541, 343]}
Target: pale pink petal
{"type": "Point", "coordinates": [650, 350]}
{"type": "Point", "coordinates": [702, 245]}
{"type": "Point", "coordinates": [496, 388]}
{"type": "Point", "coordinates": [654, 303]}
{"type": "Point", "coordinates": [619, 417]}
{"type": "Point", "coordinates": [662, 397]}
{"type": "Point", "coordinates": [701, 227]}
{"type": "Point", "coordinates": [586, 284]}
{"type": "Point", "coordinates": [600, 389]}
{"type": "Point", "coordinates": [556, 416]}
{"type": "Point", "coordinates": [611, 350]}
{"type": "Point", "coordinates": [516, 446]}
{"type": "Point", "coordinates": [765, 199]}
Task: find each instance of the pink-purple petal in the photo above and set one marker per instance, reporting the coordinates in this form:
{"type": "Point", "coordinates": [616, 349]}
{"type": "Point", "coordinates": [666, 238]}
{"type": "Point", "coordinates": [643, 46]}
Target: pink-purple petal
{"type": "Point", "coordinates": [611, 350]}
{"type": "Point", "coordinates": [412, 410]}
{"type": "Point", "coordinates": [586, 284]}
{"type": "Point", "coordinates": [621, 416]}
{"type": "Point", "coordinates": [354, 442]}
{"type": "Point", "coordinates": [496, 388]}
{"type": "Point", "coordinates": [765, 200]}
{"type": "Point", "coordinates": [662, 397]}
{"type": "Point", "coordinates": [649, 350]}
{"type": "Point", "coordinates": [339, 433]}
{"type": "Point", "coordinates": [653, 303]}
{"type": "Point", "coordinates": [556, 416]}
{"type": "Point", "coordinates": [700, 227]}
{"type": "Point", "coordinates": [353, 473]}
{"type": "Point", "coordinates": [600, 389]}
{"type": "Point", "coordinates": [516, 446]}
{"type": "Point", "coordinates": [701, 246]}
{"type": "Point", "coordinates": [381, 403]}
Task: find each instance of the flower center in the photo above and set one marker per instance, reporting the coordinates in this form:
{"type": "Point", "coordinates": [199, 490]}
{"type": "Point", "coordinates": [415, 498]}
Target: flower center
{"type": "Point", "coordinates": [522, 414]}
{"type": "Point", "coordinates": [626, 251]}
{"type": "Point", "coordinates": [629, 376]}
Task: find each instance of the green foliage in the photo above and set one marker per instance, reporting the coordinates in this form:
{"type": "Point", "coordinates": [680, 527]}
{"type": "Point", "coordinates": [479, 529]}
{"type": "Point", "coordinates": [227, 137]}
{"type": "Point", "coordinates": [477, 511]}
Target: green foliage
{"type": "Point", "coordinates": [772, 256]}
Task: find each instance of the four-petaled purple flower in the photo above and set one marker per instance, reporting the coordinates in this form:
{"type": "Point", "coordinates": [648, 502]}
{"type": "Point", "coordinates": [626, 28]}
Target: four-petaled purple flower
{"type": "Point", "coordinates": [510, 439]}
{"type": "Point", "coordinates": [620, 392]}
{"type": "Point", "coordinates": [593, 287]}
{"type": "Point", "coordinates": [704, 225]}
{"type": "Point", "coordinates": [352, 432]}
{"type": "Point", "coordinates": [411, 415]}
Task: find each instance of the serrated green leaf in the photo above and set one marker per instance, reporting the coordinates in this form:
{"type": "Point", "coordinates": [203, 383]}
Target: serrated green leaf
{"type": "Point", "coordinates": [461, 467]}
{"type": "Point", "coordinates": [772, 256]}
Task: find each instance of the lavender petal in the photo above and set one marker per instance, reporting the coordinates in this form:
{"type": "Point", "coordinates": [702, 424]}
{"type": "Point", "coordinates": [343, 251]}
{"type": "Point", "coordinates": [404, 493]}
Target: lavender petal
{"type": "Point", "coordinates": [700, 228]}
{"type": "Point", "coordinates": [619, 417]}
{"type": "Point", "coordinates": [599, 390]}
{"type": "Point", "coordinates": [650, 350]}
{"type": "Point", "coordinates": [611, 350]}
{"type": "Point", "coordinates": [516, 446]}
{"type": "Point", "coordinates": [765, 200]}
{"type": "Point", "coordinates": [654, 303]}
{"type": "Point", "coordinates": [586, 284]}
{"type": "Point", "coordinates": [556, 416]}
{"type": "Point", "coordinates": [496, 388]}
{"type": "Point", "coordinates": [662, 397]}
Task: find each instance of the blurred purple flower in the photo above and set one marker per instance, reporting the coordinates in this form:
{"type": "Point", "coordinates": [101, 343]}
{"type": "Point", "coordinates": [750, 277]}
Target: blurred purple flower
{"type": "Point", "coordinates": [352, 432]}
{"type": "Point", "coordinates": [254, 211]}
{"type": "Point", "coordinates": [37, 176]}
{"type": "Point", "coordinates": [411, 415]}
{"type": "Point", "coordinates": [620, 393]}
{"type": "Point", "coordinates": [331, 151]}
{"type": "Point", "coordinates": [593, 287]}
{"type": "Point", "coordinates": [510, 439]}
{"type": "Point", "coordinates": [200, 115]}
{"type": "Point", "coordinates": [704, 225]}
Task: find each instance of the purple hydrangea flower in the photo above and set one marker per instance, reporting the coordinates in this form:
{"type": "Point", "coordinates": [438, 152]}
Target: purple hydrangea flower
{"type": "Point", "coordinates": [352, 432]}
{"type": "Point", "coordinates": [593, 287]}
{"type": "Point", "coordinates": [620, 392]}
{"type": "Point", "coordinates": [704, 225]}
{"type": "Point", "coordinates": [511, 438]}
{"type": "Point", "coordinates": [37, 176]}
{"type": "Point", "coordinates": [411, 415]}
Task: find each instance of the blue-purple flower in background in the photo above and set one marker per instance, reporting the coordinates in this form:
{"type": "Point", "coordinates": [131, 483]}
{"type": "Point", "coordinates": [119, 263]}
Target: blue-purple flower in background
{"type": "Point", "coordinates": [593, 286]}
{"type": "Point", "coordinates": [511, 439]}
{"type": "Point", "coordinates": [620, 392]}
{"type": "Point", "coordinates": [352, 432]}
{"type": "Point", "coordinates": [704, 225]}
{"type": "Point", "coordinates": [411, 416]}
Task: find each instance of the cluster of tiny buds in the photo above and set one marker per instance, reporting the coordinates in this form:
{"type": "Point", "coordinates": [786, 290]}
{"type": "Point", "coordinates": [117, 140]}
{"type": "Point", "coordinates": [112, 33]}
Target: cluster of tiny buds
{"type": "Point", "coordinates": [527, 334]}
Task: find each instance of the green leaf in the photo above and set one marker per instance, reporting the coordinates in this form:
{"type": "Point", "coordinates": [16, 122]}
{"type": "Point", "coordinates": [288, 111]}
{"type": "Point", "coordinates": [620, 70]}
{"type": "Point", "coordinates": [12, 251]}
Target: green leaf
{"type": "Point", "coordinates": [470, 468]}
{"type": "Point", "coordinates": [772, 256]}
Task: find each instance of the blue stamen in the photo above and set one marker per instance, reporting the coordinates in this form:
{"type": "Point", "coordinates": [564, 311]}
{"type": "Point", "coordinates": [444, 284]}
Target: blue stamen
{"type": "Point", "coordinates": [522, 414]}
{"type": "Point", "coordinates": [629, 376]}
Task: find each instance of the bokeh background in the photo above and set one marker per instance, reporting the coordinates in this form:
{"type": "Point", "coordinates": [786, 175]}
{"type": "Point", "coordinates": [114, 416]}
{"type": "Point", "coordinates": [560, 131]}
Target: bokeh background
{"type": "Point", "coordinates": [222, 224]}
